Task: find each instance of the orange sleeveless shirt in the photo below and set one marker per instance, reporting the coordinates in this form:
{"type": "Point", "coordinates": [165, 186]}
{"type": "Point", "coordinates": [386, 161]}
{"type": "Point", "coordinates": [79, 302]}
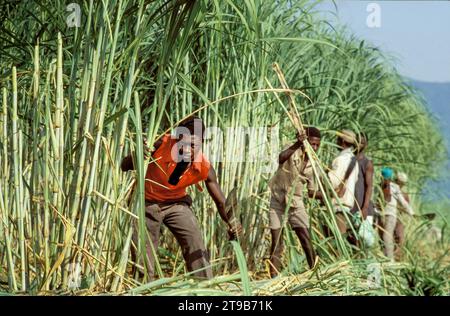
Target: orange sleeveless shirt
{"type": "Point", "coordinates": [157, 187]}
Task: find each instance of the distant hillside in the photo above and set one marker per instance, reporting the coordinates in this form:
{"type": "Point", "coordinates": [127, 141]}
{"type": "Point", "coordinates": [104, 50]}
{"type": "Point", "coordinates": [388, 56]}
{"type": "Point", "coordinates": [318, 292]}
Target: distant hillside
{"type": "Point", "coordinates": [437, 96]}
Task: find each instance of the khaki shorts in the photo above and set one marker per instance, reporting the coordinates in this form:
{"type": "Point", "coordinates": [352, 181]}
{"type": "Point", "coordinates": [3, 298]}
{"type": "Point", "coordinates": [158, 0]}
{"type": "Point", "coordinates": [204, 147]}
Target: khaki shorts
{"type": "Point", "coordinates": [297, 215]}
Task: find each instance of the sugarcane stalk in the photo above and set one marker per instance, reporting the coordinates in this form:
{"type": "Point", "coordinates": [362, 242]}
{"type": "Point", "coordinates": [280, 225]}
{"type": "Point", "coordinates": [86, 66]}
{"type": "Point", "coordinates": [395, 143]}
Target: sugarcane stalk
{"type": "Point", "coordinates": [19, 211]}
{"type": "Point", "coordinates": [4, 205]}
{"type": "Point", "coordinates": [104, 101]}
{"type": "Point", "coordinates": [123, 261]}
{"type": "Point", "coordinates": [4, 138]}
{"type": "Point", "coordinates": [36, 218]}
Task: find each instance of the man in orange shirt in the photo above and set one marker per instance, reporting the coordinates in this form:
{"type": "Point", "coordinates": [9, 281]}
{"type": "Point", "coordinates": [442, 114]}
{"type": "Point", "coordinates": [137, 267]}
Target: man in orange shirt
{"type": "Point", "coordinates": [178, 162]}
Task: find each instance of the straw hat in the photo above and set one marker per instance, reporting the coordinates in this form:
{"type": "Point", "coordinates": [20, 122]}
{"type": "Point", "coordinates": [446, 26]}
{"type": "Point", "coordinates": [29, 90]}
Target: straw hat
{"type": "Point", "coordinates": [402, 177]}
{"type": "Point", "coordinates": [348, 136]}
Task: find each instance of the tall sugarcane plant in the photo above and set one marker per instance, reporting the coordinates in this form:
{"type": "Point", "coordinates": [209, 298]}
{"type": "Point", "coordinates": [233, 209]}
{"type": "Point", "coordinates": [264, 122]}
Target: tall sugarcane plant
{"type": "Point", "coordinates": [62, 212]}
{"type": "Point", "coordinates": [75, 101]}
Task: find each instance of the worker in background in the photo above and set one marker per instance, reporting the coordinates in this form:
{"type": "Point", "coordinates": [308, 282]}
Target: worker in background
{"type": "Point", "coordinates": [399, 232]}
{"type": "Point", "coordinates": [364, 184]}
{"type": "Point", "coordinates": [343, 175]}
{"type": "Point", "coordinates": [287, 193]}
{"type": "Point", "coordinates": [394, 199]}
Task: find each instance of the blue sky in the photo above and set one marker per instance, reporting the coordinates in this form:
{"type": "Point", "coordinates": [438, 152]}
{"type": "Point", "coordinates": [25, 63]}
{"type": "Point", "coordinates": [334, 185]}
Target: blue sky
{"type": "Point", "coordinates": [416, 33]}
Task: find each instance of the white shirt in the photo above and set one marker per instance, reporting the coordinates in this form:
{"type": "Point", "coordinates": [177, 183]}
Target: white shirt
{"type": "Point", "coordinates": [337, 174]}
{"type": "Point", "coordinates": [397, 199]}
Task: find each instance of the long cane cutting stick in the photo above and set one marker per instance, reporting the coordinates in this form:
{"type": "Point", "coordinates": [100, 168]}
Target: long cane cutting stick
{"type": "Point", "coordinates": [293, 114]}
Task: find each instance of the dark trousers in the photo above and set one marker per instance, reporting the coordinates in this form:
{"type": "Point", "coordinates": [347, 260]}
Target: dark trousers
{"type": "Point", "coordinates": [181, 221]}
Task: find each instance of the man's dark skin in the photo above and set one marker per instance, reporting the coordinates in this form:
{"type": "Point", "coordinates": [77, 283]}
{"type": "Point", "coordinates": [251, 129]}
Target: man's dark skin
{"type": "Point", "coordinates": [368, 179]}
{"type": "Point", "coordinates": [302, 233]}
{"type": "Point", "coordinates": [189, 146]}
{"type": "Point", "coordinates": [342, 144]}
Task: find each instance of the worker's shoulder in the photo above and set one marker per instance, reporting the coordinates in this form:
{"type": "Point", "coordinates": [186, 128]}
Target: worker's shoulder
{"type": "Point", "coordinates": [164, 139]}
{"type": "Point", "coordinates": [204, 160]}
{"type": "Point", "coordinates": [298, 153]}
{"type": "Point", "coordinates": [364, 159]}
{"type": "Point", "coordinates": [394, 187]}
{"type": "Point", "coordinates": [343, 156]}
{"type": "Point", "coordinates": [286, 146]}
{"type": "Point", "coordinates": [162, 145]}
{"type": "Point", "coordinates": [205, 163]}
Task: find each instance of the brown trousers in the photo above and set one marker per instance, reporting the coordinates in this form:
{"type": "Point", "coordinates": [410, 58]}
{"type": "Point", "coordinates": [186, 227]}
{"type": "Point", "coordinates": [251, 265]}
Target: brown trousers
{"type": "Point", "coordinates": [181, 221]}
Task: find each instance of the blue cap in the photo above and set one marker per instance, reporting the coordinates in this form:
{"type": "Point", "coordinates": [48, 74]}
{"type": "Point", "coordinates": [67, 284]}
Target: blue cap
{"type": "Point", "coordinates": [387, 173]}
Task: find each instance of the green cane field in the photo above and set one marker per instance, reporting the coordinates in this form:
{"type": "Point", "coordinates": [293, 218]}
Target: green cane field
{"type": "Point", "coordinates": [82, 86]}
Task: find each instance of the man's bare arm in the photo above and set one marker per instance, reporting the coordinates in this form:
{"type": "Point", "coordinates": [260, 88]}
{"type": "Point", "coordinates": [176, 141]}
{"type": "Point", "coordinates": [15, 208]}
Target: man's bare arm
{"type": "Point", "coordinates": [218, 197]}
{"type": "Point", "coordinates": [287, 153]}
{"type": "Point", "coordinates": [216, 194]}
{"type": "Point", "coordinates": [127, 162]}
{"type": "Point", "coordinates": [369, 188]}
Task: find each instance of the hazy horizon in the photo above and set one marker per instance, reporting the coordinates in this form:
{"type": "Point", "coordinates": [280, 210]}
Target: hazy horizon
{"type": "Point", "coordinates": [414, 32]}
